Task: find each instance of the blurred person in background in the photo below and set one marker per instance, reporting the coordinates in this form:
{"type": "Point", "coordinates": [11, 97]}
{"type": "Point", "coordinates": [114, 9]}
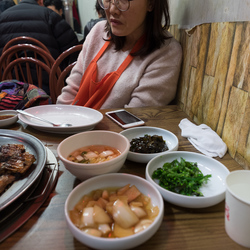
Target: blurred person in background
{"type": "Point", "coordinates": [57, 6]}
{"type": "Point", "coordinates": [5, 4]}
{"type": "Point", "coordinates": [130, 60]}
{"type": "Point", "coordinates": [101, 16]}
{"type": "Point", "coordinates": [31, 18]}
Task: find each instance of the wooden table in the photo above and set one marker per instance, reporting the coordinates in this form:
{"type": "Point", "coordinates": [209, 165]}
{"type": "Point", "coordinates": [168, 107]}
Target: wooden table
{"type": "Point", "coordinates": [182, 228]}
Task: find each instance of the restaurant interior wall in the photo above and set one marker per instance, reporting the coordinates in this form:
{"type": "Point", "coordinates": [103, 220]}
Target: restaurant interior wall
{"type": "Point", "coordinates": [214, 85]}
{"type": "Point", "coordinates": [86, 9]}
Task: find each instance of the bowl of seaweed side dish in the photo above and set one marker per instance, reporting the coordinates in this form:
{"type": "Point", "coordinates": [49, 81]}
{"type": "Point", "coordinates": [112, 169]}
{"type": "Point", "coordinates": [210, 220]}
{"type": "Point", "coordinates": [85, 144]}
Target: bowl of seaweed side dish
{"type": "Point", "coordinates": [8, 117]}
{"type": "Point", "coordinates": [117, 230]}
{"type": "Point", "coordinates": [148, 142]}
{"type": "Point", "coordinates": [188, 179]}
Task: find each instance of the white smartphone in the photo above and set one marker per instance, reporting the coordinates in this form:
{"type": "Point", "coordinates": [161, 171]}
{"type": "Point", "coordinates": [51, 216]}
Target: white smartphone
{"type": "Point", "coordinates": [125, 119]}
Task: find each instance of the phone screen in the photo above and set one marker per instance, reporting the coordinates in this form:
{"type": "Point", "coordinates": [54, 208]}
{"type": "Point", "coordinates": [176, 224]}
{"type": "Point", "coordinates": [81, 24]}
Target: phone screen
{"type": "Point", "coordinates": [124, 117]}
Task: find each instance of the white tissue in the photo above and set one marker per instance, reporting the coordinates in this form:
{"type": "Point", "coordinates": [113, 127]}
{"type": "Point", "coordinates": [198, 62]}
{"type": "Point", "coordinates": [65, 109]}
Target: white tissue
{"type": "Point", "coordinates": [203, 138]}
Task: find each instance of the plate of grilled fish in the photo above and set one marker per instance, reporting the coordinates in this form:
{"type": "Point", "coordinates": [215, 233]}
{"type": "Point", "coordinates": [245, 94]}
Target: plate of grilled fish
{"type": "Point", "coordinates": [22, 160]}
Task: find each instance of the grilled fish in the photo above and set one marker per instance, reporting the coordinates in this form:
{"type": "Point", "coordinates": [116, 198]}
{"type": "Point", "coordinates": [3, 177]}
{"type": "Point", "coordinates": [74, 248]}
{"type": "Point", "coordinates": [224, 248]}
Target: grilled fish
{"type": "Point", "coordinates": [14, 161]}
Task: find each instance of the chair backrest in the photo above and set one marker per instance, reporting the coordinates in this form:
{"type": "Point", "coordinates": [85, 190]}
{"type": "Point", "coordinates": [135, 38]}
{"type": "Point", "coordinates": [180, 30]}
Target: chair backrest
{"type": "Point", "coordinates": [24, 50]}
{"type": "Point", "coordinates": [24, 40]}
{"type": "Point", "coordinates": [57, 80]}
{"type": "Point", "coordinates": [26, 61]}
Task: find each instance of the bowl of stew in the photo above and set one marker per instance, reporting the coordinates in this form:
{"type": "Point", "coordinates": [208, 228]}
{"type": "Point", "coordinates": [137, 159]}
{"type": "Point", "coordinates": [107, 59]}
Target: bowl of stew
{"type": "Point", "coordinates": [148, 142]}
{"type": "Point", "coordinates": [114, 211]}
{"type": "Point", "coordinates": [93, 153]}
{"type": "Point", "coordinates": [8, 117]}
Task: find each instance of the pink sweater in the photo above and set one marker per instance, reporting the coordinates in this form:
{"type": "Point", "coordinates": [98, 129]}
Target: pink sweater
{"type": "Point", "coordinates": [147, 81]}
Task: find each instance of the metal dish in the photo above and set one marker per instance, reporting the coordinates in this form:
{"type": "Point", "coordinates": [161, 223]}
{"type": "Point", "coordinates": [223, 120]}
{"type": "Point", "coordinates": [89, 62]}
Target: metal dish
{"type": "Point", "coordinates": [33, 146]}
{"type": "Point", "coordinates": [15, 215]}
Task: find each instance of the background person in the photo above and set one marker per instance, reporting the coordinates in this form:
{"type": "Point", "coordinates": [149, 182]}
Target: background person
{"type": "Point", "coordinates": [101, 16]}
{"type": "Point", "coordinates": [57, 6]}
{"type": "Point", "coordinates": [5, 4]}
{"type": "Point", "coordinates": [31, 18]}
{"type": "Point", "coordinates": [130, 60]}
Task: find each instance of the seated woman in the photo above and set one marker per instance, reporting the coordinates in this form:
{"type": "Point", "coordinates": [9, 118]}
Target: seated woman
{"type": "Point", "coordinates": [130, 60]}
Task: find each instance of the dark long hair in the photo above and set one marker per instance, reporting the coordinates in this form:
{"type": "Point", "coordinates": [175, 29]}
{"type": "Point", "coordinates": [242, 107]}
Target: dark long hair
{"type": "Point", "coordinates": [157, 21]}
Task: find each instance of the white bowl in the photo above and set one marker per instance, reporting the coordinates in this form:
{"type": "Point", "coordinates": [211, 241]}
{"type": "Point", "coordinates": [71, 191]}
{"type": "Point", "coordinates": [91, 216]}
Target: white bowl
{"type": "Point", "coordinates": [99, 137]}
{"type": "Point", "coordinates": [8, 121]}
{"type": "Point", "coordinates": [170, 139]}
{"type": "Point", "coordinates": [213, 191]}
{"type": "Point", "coordinates": [114, 180]}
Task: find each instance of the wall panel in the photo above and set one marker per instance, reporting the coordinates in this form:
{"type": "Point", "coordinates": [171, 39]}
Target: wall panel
{"type": "Point", "coordinates": [214, 85]}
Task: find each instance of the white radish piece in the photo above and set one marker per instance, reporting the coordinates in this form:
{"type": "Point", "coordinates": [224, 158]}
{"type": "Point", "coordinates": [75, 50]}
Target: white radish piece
{"type": "Point", "coordinates": [79, 158]}
{"type": "Point", "coordinates": [87, 217]}
{"type": "Point", "coordinates": [106, 153]}
{"type": "Point", "coordinates": [91, 155]}
{"type": "Point", "coordinates": [93, 232]}
{"type": "Point", "coordinates": [142, 225]}
{"type": "Point", "coordinates": [122, 232]}
{"type": "Point", "coordinates": [140, 212]}
{"type": "Point", "coordinates": [100, 216]}
{"type": "Point", "coordinates": [123, 215]}
{"type": "Point", "coordinates": [104, 228]}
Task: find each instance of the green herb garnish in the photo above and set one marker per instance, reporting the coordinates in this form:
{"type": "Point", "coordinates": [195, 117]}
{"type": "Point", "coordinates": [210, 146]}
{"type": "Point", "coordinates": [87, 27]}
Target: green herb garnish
{"type": "Point", "coordinates": [181, 177]}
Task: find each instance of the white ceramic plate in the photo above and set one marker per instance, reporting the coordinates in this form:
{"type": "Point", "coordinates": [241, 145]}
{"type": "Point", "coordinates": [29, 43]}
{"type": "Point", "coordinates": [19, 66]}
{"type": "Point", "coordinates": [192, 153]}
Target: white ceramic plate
{"type": "Point", "coordinates": [81, 118]}
{"type": "Point", "coordinates": [170, 139]}
{"type": "Point", "coordinates": [8, 121]}
{"type": "Point", "coordinates": [213, 191]}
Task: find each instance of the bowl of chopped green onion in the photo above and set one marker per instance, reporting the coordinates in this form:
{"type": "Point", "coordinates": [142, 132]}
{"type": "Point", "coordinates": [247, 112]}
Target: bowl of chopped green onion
{"type": "Point", "coordinates": [188, 179]}
{"type": "Point", "coordinates": [147, 142]}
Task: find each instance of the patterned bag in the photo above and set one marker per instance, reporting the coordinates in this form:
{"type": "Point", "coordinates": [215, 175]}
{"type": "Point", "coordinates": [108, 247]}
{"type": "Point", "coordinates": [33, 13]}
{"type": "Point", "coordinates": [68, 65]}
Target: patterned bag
{"type": "Point", "coordinates": [20, 95]}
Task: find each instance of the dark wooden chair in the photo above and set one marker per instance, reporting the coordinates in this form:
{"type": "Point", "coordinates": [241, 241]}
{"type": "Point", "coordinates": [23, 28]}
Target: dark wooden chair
{"type": "Point", "coordinates": [24, 40]}
{"type": "Point", "coordinates": [26, 72]}
{"type": "Point", "coordinates": [27, 61]}
{"type": "Point", "coordinates": [57, 76]}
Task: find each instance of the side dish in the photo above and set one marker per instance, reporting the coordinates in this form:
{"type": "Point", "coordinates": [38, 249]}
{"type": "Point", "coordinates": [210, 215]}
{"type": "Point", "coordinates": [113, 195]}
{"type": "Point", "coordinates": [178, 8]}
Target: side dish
{"type": "Point", "coordinates": [14, 162]}
{"type": "Point", "coordinates": [114, 212]}
{"type": "Point", "coordinates": [148, 144]}
{"type": "Point", "coordinates": [93, 154]}
{"type": "Point", "coordinates": [3, 117]}
{"type": "Point", "coordinates": [181, 177]}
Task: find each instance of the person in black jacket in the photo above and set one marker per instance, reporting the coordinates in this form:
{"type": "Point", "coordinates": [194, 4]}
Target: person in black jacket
{"type": "Point", "coordinates": [31, 18]}
{"type": "Point", "coordinates": [57, 6]}
{"type": "Point", "coordinates": [90, 24]}
{"type": "Point", "coordinates": [5, 4]}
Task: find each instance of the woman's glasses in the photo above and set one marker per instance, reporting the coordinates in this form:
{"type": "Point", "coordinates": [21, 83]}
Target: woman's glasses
{"type": "Point", "coordinates": [122, 5]}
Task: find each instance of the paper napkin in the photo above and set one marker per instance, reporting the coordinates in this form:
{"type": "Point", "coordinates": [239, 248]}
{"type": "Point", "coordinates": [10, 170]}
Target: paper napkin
{"type": "Point", "coordinates": [203, 138]}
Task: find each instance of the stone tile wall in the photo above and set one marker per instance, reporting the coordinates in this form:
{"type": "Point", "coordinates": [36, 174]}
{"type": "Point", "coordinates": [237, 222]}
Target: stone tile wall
{"type": "Point", "coordinates": [214, 85]}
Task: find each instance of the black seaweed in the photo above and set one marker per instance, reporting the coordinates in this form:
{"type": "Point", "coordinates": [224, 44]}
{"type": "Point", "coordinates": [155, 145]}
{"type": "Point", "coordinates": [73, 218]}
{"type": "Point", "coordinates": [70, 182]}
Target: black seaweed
{"type": "Point", "coordinates": [148, 144]}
